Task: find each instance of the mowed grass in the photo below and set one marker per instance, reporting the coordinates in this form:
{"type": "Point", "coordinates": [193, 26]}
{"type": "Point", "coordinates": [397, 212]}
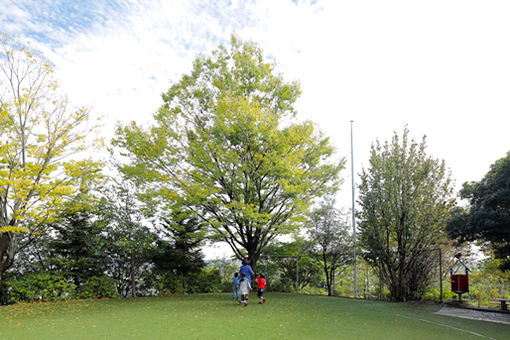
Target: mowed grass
{"type": "Point", "coordinates": [215, 316]}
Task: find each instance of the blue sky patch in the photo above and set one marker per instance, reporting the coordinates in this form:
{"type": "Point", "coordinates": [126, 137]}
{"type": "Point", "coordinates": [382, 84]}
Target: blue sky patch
{"type": "Point", "coordinates": [53, 21]}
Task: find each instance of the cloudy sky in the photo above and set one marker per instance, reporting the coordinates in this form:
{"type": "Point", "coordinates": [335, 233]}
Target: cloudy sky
{"type": "Point", "coordinates": [441, 67]}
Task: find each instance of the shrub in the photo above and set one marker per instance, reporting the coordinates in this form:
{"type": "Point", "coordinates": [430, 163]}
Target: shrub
{"type": "Point", "coordinates": [40, 286]}
{"type": "Point", "coordinates": [171, 284]}
{"type": "Point", "coordinates": [280, 284]}
{"type": "Point", "coordinates": [206, 281]}
{"type": "Point", "coordinates": [97, 287]}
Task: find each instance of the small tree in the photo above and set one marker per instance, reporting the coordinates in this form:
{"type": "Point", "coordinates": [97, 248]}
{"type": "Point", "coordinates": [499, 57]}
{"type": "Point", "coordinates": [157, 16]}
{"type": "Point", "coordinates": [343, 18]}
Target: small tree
{"type": "Point", "coordinates": [405, 197]}
{"type": "Point", "coordinates": [285, 255]}
{"type": "Point", "coordinates": [226, 268]}
{"type": "Point", "coordinates": [332, 240]}
{"type": "Point", "coordinates": [180, 253]}
{"type": "Point", "coordinates": [128, 242]}
{"type": "Point", "coordinates": [38, 133]}
{"type": "Point", "coordinates": [77, 247]}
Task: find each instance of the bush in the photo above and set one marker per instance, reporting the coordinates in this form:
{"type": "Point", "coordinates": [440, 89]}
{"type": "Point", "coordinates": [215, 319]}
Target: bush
{"type": "Point", "coordinates": [206, 281]}
{"type": "Point", "coordinates": [171, 284]}
{"type": "Point", "coordinates": [280, 284]}
{"type": "Point", "coordinates": [97, 287]}
{"type": "Point", "coordinates": [225, 287]}
{"type": "Point", "coordinates": [39, 286]}
{"type": "Point", "coordinates": [45, 286]}
{"type": "Point", "coordinates": [434, 295]}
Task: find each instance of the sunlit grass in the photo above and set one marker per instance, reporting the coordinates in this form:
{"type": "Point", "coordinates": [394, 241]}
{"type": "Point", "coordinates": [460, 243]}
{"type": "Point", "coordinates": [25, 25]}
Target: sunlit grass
{"type": "Point", "coordinates": [215, 316]}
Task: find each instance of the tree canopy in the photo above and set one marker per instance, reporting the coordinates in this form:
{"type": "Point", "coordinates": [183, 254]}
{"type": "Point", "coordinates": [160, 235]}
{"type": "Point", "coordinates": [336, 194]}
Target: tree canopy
{"type": "Point", "coordinates": [488, 215]}
{"type": "Point", "coordinates": [227, 145]}
{"type": "Point", "coordinates": [405, 197]}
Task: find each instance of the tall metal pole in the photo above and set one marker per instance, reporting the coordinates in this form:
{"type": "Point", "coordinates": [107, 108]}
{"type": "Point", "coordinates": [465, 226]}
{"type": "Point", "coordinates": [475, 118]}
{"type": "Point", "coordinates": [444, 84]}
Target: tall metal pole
{"type": "Point", "coordinates": [354, 220]}
{"type": "Point", "coordinates": [440, 276]}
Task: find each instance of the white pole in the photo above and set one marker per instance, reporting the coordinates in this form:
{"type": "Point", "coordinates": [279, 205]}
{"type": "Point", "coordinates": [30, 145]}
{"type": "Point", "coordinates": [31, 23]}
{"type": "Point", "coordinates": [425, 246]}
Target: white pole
{"type": "Point", "coordinates": [354, 220]}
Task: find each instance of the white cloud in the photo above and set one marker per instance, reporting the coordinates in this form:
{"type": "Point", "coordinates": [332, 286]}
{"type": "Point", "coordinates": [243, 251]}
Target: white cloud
{"type": "Point", "coordinates": [122, 65]}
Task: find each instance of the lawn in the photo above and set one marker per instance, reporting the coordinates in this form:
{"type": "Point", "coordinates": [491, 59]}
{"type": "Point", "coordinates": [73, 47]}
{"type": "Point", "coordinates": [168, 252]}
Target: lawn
{"type": "Point", "coordinates": [215, 316]}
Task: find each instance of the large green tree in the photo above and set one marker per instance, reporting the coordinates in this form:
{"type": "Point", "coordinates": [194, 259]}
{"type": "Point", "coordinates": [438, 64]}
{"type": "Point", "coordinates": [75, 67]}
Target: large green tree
{"type": "Point", "coordinates": [487, 217]}
{"type": "Point", "coordinates": [39, 131]}
{"type": "Point", "coordinates": [405, 198]}
{"type": "Point", "coordinates": [226, 144]}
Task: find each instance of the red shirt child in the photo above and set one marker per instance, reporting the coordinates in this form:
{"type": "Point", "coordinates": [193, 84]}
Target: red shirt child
{"type": "Point", "coordinates": [261, 282]}
{"type": "Point", "coordinates": [261, 287]}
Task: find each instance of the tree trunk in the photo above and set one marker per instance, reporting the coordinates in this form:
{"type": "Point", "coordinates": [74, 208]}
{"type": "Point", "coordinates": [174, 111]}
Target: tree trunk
{"type": "Point", "coordinates": [331, 280]}
{"type": "Point", "coordinates": [326, 271]}
{"type": "Point", "coordinates": [334, 281]}
{"type": "Point", "coordinates": [3, 298]}
{"type": "Point", "coordinates": [133, 281]}
{"type": "Point", "coordinates": [253, 258]}
{"type": "Point", "coordinates": [6, 259]}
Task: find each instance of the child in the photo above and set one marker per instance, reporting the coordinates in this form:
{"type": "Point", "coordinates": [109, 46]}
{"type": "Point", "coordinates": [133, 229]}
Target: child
{"type": "Point", "coordinates": [244, 289]}
{"type": "Point", "coordinates": [235, 287]}
{"type": "Point", "coordinates": [261, 287]}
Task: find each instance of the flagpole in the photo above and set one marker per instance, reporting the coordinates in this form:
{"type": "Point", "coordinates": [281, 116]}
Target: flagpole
{"type": "Point", "coordinates": [354, 220]}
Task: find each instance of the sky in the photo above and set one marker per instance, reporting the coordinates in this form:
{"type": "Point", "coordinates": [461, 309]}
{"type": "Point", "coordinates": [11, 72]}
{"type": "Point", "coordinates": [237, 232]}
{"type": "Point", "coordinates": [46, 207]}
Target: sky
{"type": "Point", "coordinates": [441, 68]}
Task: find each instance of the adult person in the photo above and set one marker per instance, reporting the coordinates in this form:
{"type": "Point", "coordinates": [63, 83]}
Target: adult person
{"type": "Point", "coordinates": [246, 268]}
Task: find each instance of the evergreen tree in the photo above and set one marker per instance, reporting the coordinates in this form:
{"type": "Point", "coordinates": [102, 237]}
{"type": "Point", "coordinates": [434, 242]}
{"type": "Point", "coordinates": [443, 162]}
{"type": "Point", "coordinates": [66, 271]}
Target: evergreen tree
{"type": "Point", "coordinates": [77, 247]}
{"type": "Point", "coordinates": [180, 253]}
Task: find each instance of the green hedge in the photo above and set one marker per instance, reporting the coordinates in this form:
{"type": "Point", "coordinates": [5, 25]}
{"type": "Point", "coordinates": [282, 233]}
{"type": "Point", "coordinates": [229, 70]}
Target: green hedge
{"type": "Point", "coordinates": [46, 286]}
{"type": "Point", "coordinates": [42, 286]}
{"type": "Point", "coordinates": [96, 288]}
{"type": "Point", "coordinates": [207, 281]}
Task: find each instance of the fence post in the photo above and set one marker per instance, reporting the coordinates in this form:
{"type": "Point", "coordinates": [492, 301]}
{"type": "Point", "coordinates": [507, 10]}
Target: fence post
{"type": "Point", "coordinates": [267, 274]}
{"type": "Point", "coordinates": [380, 282]}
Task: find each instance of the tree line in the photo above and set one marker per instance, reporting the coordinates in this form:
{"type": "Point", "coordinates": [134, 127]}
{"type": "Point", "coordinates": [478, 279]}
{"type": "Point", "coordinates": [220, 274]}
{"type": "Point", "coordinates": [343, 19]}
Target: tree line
{"type": "Point", "coordinates": [227, 160]}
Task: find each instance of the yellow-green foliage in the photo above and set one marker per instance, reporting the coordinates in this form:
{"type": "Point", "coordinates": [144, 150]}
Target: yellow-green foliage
{"type": "Point", "coordinates": [39, 132]}
{"type": "Point", "coordinates": [226, 144]}
{"type": "Point", "coordinates": [488, 282]}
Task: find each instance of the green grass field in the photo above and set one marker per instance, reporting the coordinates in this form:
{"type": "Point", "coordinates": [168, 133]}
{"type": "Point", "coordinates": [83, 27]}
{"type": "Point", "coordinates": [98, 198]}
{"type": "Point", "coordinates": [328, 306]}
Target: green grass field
{"type": "Point", "coordinates": [215, 316]}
